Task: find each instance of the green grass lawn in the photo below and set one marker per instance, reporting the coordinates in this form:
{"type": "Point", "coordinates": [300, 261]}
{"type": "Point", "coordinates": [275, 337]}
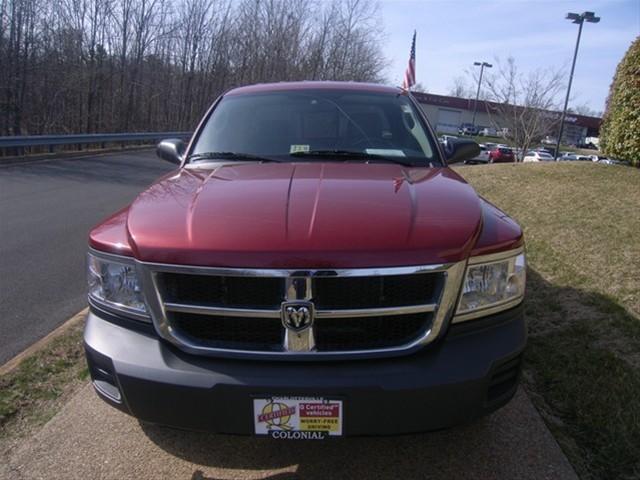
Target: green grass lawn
{"type": "Point", "coordinates": [38, 387]}
{"type": "Point", "coordinates": [582, 369]}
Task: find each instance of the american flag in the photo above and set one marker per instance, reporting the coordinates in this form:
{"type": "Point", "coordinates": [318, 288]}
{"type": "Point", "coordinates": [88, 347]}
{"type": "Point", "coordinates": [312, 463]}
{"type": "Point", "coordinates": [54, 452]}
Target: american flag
{"type": "Point", "coordinates": [410, 74]}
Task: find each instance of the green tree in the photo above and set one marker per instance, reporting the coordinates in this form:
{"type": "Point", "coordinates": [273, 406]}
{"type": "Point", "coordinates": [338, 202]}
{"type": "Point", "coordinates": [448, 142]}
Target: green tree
{"type": "Point", "coordinates": [620, 131]}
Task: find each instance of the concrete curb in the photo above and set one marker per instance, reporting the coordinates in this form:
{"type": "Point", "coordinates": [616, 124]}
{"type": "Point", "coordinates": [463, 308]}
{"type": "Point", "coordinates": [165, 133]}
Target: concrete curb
{"type": "Point", "coordinates": [43, 342]}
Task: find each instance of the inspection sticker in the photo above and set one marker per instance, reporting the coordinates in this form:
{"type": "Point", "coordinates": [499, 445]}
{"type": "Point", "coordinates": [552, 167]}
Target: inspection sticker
{"type": "Point", "coordinates": [297, 418]}
{"type": "Point", "coordinates": [298, 148]}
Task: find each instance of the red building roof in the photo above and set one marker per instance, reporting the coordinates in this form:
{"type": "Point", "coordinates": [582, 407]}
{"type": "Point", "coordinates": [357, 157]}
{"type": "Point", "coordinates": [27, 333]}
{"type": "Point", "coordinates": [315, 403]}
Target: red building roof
{"type": "Point", "coordinates": [592, 123]}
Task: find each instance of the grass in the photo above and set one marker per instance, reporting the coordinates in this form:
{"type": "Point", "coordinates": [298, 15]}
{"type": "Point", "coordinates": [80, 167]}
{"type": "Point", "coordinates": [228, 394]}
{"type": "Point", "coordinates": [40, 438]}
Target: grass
{"type": "Point", "coordinates": [582, 364]}
{"type": "Point", "coordinates": [36, 389]}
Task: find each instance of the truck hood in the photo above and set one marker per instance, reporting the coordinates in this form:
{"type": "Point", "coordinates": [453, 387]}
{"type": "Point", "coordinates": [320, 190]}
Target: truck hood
{"type": "Point", "coordinates": [305, 215]}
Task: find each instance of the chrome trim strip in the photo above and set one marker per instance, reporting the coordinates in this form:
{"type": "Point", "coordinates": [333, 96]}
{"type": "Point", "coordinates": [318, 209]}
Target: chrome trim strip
{"type": "Point", "coordinates": [114, 257]}
{"type": "Point", "coordinates": [376, 312]}
{"type": "Point", "coordinates": [298, 289]}
{"type": "Point", "coordinates": [514, 302]}
{"type": "Point", "coordinates": [496, 257]}
{"type": "Point", "coordinates": [221, 311]}
{"type": "Point", "coordinates": [288, 273]}
{"type": "Point", "coordinates": [118, 309]}
{"type": "Point", "coordinates": [263, 313]}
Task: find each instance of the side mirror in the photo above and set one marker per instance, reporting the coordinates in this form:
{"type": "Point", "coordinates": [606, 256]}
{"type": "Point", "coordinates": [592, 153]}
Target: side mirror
{"type": "Point", "coordinates": [171, 150]}
{"type": "Point", "coordinates": [460, 150]}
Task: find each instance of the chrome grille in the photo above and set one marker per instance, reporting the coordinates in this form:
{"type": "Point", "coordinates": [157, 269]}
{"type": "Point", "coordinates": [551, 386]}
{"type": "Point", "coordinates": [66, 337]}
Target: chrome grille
{"type": "Point", "coordinates": [215, 311]}
{"type": "Point", "coordinates": [374, 292]}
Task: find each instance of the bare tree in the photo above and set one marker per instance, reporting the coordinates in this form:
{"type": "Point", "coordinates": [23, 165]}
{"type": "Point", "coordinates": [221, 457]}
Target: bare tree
{"type": "Point", "coordinates": [461, 88]}
{"type": "Point", "coordinates": [420, 88]}
{"type": "Point", "coordinates": [123, 65]}
{"type": "Point", "coordinates": [584, 109]}
{"type": "Point", "coordinates": [521, 103]}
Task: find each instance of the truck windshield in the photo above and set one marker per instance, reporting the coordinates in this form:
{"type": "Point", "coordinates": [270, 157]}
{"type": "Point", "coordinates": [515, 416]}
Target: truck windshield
{"type": "Point", "coordinates": [317, 125]}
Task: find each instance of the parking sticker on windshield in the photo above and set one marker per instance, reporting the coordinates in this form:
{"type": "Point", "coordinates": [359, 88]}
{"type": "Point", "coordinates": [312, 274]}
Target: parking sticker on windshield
{"type": "Point", "coordinates": [298, 148]}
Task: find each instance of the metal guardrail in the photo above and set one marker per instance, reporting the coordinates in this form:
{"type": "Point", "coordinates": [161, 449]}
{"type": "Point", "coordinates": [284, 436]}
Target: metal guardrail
{"type": "Point", "coordinates": [83, 139]}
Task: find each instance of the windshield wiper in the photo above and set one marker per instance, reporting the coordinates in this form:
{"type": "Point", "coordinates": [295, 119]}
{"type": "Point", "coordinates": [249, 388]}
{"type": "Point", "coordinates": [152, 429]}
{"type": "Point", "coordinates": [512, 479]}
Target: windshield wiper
{"type": "Point", "coordinates": [350, 154]}
{"type": "Point", "coordinates": [231, 156]}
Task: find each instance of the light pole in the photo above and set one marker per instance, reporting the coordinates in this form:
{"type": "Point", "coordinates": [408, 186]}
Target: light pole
{"type": "Point", "coordinates": [475, 106]}
{"type": "Point", "coordinates": [578, 18]}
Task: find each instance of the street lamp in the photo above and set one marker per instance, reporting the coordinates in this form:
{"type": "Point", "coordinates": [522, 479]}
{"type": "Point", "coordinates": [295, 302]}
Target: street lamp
{"type": "Point", "coordinates": [475, 106]}
{"type": "Point", "coordinates": [578, 18]}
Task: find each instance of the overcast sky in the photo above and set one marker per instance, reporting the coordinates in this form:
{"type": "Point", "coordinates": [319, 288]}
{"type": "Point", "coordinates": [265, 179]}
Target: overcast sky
{"type": "Point", "coordinates": [454, 34]}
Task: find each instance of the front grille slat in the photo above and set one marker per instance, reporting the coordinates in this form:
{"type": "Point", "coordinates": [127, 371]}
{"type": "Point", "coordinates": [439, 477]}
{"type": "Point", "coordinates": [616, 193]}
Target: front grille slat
{"type": "Point", "coordinates": [372, 292]}
{"type": "Point", "coordinates": [368, 333]}
{"type": "Point", "coordinates": [230, 332]}
{"type": "Point", "coordinates": [242, 292]}
{"type": "Point", "coordinates": [352, 313]}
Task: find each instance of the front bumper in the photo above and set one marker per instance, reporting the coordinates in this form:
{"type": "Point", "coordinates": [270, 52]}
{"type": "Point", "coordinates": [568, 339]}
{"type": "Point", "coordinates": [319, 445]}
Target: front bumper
{"type": "Point", "coordinates": [472, 371]}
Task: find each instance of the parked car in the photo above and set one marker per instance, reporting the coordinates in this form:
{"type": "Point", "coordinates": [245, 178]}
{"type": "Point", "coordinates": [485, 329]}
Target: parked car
{"type": "Point", "coordinates": [447, 138]}
{"type": "Point", "coordinates": [549, 140]}
{"type": "Point", "coordinates": [544, 150]}
{"type": "Point", "coordinates": [482, 157]}
{"type": "Point", "coordinates": [611, 161]}
{"type": "Point", "coordinates": [501, 155]}
{"type": "Point", "coordinates": [468, 129]}
{"type": "Point", "coordinates": [489, 132]}
{"type": "Point", "coordinates": [537, 156]}
{"type": "Point", "coordinates": [573, 157]}
{"type": "Point", "coordinates": [312, 268]}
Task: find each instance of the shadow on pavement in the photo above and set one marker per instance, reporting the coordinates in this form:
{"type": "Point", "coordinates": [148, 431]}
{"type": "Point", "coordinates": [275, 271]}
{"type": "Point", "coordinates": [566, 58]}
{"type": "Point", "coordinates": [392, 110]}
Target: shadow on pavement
{"type": "Point", "coordinates": [382, 457]}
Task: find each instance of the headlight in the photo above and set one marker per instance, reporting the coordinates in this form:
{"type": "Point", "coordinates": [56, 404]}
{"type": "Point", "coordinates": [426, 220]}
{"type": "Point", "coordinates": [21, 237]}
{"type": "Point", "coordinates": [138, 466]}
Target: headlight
{"type": "Point", "coordinates": [491, 285]}
{"type": "Point", "coordinates": [113, 284]}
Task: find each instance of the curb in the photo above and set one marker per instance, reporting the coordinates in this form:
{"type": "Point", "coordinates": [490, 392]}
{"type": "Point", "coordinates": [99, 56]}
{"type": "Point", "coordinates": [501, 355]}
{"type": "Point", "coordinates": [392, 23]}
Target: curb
{"type": "Point", "coordinates": [43, 342]}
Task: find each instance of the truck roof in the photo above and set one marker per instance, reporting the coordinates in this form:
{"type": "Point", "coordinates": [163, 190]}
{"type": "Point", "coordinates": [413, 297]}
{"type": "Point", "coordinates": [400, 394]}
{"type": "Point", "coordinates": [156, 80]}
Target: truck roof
{"type": "Point", "coordinates": [314, 85]}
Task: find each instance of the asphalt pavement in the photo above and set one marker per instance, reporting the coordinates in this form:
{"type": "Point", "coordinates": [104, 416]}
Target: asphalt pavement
{"type": "Point", "coordinates": [46, 211]}
{"type": "Point", "coordinates": [89, 439]}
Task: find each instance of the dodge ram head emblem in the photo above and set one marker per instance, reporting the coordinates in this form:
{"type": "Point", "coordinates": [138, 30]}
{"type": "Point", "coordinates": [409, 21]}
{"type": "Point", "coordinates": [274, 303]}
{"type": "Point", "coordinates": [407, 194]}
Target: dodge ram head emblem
{"type": "Point", "coordinates": [297, 316]}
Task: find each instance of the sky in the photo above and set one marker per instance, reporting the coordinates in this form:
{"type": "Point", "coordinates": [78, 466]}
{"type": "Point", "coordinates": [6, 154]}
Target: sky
{"type": "Point", "coordinates": [451, 35]}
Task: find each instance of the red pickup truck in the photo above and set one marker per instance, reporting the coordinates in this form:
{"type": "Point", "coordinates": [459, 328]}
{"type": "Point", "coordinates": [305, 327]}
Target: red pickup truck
{"type": "Point", "coordinates": [312, 269]}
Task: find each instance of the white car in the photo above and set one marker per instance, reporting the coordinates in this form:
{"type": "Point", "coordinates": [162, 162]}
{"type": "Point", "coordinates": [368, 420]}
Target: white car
{"type": "Point", "coordinates": [573, 157]}
{"type": "Point", "coordinates": [482, 157]}
{"type": "Point", "coordinates": [537, 157]}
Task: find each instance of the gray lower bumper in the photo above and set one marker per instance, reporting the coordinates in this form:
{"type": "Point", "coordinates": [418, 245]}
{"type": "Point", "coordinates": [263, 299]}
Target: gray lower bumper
{"type": "Point", "coordinates": [472, 371]}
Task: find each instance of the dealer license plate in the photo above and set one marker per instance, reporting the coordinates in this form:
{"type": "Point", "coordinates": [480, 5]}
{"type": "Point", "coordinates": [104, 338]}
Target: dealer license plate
{"type": "Point", "coordinates": [297, 418]}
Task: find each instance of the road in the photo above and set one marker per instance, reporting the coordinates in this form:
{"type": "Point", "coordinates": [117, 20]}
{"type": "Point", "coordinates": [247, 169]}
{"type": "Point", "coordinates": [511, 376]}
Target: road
{"type": "Point", "coordinates": [46, 211]}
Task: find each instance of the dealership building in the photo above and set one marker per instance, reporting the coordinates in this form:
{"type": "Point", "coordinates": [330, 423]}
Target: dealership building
{"type": "Point", "coordinates": [446, 114]}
